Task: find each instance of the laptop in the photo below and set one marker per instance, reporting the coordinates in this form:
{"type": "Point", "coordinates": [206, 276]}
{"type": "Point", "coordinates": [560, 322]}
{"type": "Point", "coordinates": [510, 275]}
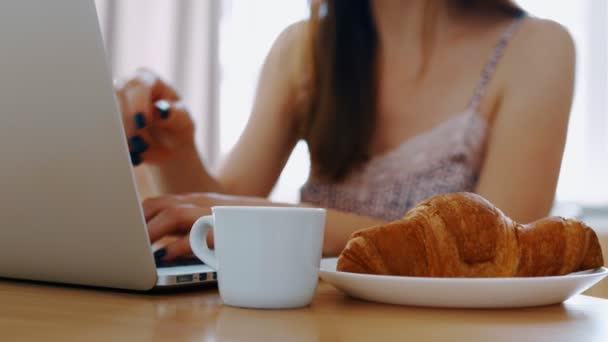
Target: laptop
{"type": "Point", "coordinates": [69, 209]}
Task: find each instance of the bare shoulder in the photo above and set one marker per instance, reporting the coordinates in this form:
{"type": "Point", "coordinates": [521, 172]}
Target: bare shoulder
{"type": "Point", "coordinates": [280, 83]}
{"type": "Point", "coordinates": [537, 69]}
{"type": "Point", "coordinates": [538, 30]}
{"type": "Point", "coordinates": [541, 46]}
{"type": "Point", "coordinates": [287, 66]}
{"type": "Point", "coordinates": [290, 44]}
{"type": "Point", "coordinates": [538, 72]}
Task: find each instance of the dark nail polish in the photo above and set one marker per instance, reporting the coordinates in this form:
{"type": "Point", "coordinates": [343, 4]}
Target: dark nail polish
{"type": "Point", "coordinates": [159, 254]}
{"type": "Point", "coordinates": [138, 144]}
{"type": "Point", "coordinates": [140, 120]}
{"type": "Point", "coordinates": [164, 108]}
{"type": "Point", "coordinates": [136, 158]}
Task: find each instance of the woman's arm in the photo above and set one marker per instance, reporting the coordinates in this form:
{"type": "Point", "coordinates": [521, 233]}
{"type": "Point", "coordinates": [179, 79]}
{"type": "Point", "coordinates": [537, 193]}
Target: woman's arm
{"type": "Point", "coordinates": [175, 215]}
{"type": "Point", "coordinates": [528, 133]}
{"type": "Point", "coordinates": [255, 163]}
{"type": "Point", "coordinates": [184, 173]}
{"type": "Point", "coordinates": [339, 226]}
{"type": "Point", "coordinates": [160, 133]}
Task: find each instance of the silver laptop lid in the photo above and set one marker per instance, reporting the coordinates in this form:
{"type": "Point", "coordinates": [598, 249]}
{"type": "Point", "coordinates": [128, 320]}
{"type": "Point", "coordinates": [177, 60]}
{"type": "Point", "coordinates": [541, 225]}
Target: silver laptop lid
{"type": "Point", "coordinates": [69, 211]}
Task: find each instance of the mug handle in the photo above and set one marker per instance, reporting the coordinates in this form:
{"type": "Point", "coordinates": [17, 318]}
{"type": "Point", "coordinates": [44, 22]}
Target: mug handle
{"type": "Point", "coordinates": [198, 241]}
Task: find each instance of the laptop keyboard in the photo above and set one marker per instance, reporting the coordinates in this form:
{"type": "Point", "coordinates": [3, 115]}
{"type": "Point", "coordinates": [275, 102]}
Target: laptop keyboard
{"type": "Point", "coordinates": [189, 261]}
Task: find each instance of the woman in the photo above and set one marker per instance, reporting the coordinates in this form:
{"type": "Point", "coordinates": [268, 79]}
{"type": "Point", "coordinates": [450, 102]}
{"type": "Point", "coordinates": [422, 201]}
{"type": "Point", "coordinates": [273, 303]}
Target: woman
{"type": "Point", "coordinates": [388, 96]}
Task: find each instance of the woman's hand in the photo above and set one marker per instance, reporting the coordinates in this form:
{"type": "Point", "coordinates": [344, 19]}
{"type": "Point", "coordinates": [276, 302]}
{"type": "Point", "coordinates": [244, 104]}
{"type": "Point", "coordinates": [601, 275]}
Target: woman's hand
{"type": "Point", "coordinates": [174, 215]}
{"type": "Point", "coordinates": [156, 122]}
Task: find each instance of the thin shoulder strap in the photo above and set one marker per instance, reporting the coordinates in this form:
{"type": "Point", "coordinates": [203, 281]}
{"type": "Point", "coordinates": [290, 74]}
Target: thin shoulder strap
{"type": "Point", "coordinates": [490, 67]}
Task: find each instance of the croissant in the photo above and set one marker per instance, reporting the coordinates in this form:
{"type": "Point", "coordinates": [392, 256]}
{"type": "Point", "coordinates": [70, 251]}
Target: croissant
{"type": "Point", "coordinates": [464, 235]}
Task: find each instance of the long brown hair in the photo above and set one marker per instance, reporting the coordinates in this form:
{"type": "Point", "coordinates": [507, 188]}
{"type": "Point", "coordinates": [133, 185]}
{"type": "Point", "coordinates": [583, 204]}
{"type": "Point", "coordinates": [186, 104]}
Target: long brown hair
{"type": "Point", "coordinates": [339, 121]}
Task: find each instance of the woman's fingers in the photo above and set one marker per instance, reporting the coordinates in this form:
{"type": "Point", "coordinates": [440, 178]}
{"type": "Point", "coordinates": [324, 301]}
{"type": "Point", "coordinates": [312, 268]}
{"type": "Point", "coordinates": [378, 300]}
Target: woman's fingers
{"type": "Point", "coordinates": [175, 220]}
{"type": "Point", "coordinates": [157, 123]}
{"type": "Point", "coordinates": [139, 96]}
{"type": "Point", "coordinates": [181, 246]}
{"type": "Point", "coordinates": [153, 206]}
{"type": "Point", "coordinates": [159, 88]}
{"type": "Point", "coordinates": [170, 114]}
{"type": "Point", "coordinates": [143, 91]}
{"type": "Point", "coordinates": [133, 96]}
{"type": "Point", "coordinates": [178, 248]}
{"type": "Point", "coordinates": [125, 110]}
{"type": "Point", "coordinates": [174, 215]}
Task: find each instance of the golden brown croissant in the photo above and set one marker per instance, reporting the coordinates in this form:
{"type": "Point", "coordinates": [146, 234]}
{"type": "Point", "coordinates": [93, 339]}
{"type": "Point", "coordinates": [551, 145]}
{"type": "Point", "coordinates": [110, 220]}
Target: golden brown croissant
{"type": "Point", "coordinates": [464, 235]}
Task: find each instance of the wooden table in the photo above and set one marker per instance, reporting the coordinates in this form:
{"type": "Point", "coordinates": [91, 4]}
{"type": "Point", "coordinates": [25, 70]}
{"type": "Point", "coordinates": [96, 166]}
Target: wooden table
{"type": "Point", "coordinates": [48, 313]}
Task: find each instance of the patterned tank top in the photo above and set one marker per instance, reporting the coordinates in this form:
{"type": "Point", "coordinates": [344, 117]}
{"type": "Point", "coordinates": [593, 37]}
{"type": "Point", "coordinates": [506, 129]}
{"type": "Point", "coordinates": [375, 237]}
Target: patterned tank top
{"type": "Point", "coordinates": [446, 158]}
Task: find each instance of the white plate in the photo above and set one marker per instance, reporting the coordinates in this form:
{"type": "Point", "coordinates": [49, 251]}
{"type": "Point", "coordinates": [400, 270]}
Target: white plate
{"type": "Point", "coordinates": [461, 292]}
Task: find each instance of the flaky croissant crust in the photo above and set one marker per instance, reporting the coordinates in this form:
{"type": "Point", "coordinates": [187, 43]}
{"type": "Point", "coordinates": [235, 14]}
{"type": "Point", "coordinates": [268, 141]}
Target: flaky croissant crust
{"type": "Point", "coordinates": [464, 235]}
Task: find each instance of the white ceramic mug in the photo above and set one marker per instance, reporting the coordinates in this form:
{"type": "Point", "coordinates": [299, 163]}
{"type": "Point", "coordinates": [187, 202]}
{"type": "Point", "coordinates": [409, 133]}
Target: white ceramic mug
{"type": "Point", "coordinates": [266, 257]}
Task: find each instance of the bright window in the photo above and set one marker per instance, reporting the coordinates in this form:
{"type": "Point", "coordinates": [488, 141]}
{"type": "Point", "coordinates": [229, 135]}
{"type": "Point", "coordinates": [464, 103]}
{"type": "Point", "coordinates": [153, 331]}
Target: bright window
{"type": "Point", "coordinates": [586, 158]}
{"type": "Point", "coordinates": [247, 31]}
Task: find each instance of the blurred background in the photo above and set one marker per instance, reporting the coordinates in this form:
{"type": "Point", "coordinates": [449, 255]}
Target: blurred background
{"type": "Point", "coordinates": [212, 51]}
